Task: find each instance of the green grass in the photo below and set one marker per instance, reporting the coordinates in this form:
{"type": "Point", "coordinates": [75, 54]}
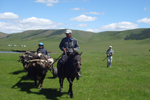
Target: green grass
{"type": "Point", "coordinates": [128, 79]}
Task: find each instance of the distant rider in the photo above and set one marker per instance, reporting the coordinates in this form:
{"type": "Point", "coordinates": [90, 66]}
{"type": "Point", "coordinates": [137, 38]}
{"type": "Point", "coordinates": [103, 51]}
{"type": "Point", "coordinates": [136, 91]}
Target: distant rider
{"type": "Point", "coordinates": [68, 44]}
{"type": "Point", "coordinates": [109, 54]}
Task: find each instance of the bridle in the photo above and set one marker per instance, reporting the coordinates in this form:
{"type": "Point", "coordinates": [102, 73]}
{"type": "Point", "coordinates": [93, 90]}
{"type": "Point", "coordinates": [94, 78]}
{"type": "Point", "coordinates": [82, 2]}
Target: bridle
{"type": "Point", "coordinates": [77, 63]}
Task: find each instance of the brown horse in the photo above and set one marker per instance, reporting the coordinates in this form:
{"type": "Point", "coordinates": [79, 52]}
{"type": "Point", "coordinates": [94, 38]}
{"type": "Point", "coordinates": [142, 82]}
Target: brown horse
{"type": "Point", "coordinates": [70, 70]}
{"type": "Point", "coordinates": [36, 65]}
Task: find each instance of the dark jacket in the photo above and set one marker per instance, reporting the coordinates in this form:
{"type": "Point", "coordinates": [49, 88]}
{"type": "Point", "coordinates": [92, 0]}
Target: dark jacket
{"type": "Point", "coordinates": [69, 43]}
{"type": "Point", "coordinates": [109, 51]}
{"type": "Point", "coordinates": [43, 51]}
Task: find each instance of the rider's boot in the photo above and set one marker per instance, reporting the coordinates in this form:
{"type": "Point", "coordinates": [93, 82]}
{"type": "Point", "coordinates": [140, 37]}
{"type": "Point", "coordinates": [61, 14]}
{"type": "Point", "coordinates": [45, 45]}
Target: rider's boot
{"type": "Point", "coordinates": [79, 75]}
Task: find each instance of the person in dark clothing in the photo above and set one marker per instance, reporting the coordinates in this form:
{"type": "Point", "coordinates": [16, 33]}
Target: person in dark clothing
{"type": "Point", "coordinates": [42, 50]}
{"type": "Point", "coordinates": [68, 45]}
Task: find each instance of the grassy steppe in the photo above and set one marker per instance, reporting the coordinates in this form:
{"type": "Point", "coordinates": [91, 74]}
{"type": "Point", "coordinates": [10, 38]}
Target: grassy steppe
{"type": "Point", "coordinates": [128, 79]}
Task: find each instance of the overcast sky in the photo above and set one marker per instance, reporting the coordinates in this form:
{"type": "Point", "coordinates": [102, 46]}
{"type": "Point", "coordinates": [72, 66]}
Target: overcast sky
{"type": "Point", "coordinates": [87, 15]}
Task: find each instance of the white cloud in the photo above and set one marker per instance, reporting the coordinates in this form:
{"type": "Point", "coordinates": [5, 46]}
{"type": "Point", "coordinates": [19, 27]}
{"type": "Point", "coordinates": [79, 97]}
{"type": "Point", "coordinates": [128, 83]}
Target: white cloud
{"type": "Point", "coordinates": [39, 23]}
{"type": "Point", "coordinates": [98, 13]}
{"type": "Point", "coordinates": [36, 21]}
{"type": "Point", "coordinates": [48, 2]}
{"type": "Point", "coordinates": [82, 25]}
{"type": "Point", "coordinates": [115, 27]}
{"type": "Point", "coordinates": [10, 27]}
{"type": "Point", "coordinates": [75, 9]}
{"type": "Point", "coordinates": [31, 23]}
{"type": "Point", "coordinates": [62, 28]}
{"type": "Point", "coordinates": [8, 15]}
{"type": "Point", "coordinates": [91, 30]}
{"type": "Point", "coordinates": [145, 8]}
{"type": "Point", "coordinates": [144, 20]}
{"type": "Point", "coordinates": [83, 18]}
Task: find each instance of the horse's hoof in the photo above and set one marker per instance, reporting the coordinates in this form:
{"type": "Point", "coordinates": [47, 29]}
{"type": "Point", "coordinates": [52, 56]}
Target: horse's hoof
{"type": "Point", "coordinates": [71, 96]}
{"type": "Point", "coordinates": [41, 88]}
{"type": "Point", "coordinates": [60, 90]}
{"type": "Point", "coordinates": [69, 93]}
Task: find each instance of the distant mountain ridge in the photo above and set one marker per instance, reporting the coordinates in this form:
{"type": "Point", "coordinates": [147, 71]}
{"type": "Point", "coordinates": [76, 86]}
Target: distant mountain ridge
{"type": "Point", "coordinates": [47, 35]}
{"type": "Point", "coordinates": [142, 35]}
{"type": "Point", "coordinates": [135, 34]}
{"type": "Point", "coordinates": [83, 36]}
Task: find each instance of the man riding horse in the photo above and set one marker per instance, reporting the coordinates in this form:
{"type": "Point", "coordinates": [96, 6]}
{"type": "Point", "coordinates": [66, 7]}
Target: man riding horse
{"type": "Point", "coordinates": [68, 45]}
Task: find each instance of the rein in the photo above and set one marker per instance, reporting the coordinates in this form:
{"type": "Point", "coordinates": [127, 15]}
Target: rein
{"type": "Point", "coordinates": [78, 62]}
{"type": "Point", "coordinates": [56, 59]}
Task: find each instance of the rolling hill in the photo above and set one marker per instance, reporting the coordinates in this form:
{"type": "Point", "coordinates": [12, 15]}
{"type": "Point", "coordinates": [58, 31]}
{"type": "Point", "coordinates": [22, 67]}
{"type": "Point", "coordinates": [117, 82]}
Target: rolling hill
{"type": "Point", "coordinates": [46, 34]}
{"type": "Point", "coordinates": [52, 38]}
{"type": "Point", "coordinates": [81, 35]}
{"type": "Point", "coordinates": [124, 34]}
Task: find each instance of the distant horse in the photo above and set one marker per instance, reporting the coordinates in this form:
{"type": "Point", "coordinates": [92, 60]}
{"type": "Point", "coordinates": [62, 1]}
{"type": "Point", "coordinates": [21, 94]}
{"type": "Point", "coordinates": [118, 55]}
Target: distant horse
{"type": "Point", "coordinates": [36, 65]}
{"type": "Point", "coordinates": [70, 70]}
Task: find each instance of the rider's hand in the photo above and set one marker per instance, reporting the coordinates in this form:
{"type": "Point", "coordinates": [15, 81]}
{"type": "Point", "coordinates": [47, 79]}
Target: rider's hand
{"type": "Point", "coordinates": [65, 49]}
{"type": "Point", "coordinates": [107, 54]}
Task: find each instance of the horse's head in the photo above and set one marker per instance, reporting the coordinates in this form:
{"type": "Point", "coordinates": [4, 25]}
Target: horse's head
{"type": "Point", "coordinates": [77, 61]}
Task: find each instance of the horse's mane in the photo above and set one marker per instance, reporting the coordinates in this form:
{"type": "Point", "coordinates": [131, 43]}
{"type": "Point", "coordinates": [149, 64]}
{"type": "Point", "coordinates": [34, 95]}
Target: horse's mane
{"type": "Point", "coordinates": [75, 53]}
{"type": "Point", "coordinates": [72, 56]}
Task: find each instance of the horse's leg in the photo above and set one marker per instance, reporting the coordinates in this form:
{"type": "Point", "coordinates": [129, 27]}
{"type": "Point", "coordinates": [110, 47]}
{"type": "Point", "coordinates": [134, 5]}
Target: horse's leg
{"type": "Point", "coordinates": [41, 81]}
{"type": "Point", "coordinates": [33, 71]}
{"type": "Point", "coordinates": [61, 83]}
{"type": "Point", "coordinates": [34, 77]}
{"type": "Point", "coordinates": [70, 92]}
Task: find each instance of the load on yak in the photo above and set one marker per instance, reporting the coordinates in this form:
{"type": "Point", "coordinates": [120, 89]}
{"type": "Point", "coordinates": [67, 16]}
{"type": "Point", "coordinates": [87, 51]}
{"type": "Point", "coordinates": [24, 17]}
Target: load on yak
{"type": "Point", "coordinates": [37, 66]}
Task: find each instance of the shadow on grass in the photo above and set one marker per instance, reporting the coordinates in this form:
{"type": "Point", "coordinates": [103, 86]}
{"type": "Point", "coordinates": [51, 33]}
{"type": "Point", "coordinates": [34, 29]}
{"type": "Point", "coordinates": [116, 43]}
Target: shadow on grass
{"type": "Point", "coordinates": [51, 77]}
{"type": "Point", "coordinates": [24, 86]}
{"type": "Point", "coordinates": [49, 93]}
{"type": "Point", "coordinates": [18, 72]}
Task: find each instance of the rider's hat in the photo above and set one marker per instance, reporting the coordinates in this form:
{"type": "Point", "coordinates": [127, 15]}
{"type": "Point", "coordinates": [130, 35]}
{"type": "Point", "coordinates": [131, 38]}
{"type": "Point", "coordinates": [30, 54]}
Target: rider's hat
{"type": "Point", "coordinates": [68, 31]}
{"type": "Point", "coordinates": [40, 44]}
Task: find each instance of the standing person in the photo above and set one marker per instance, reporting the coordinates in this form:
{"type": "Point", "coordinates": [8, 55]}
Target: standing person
{"type": "Point", "coordinates": [43, 50]}
{"type": "Point", "coordinates": [68, 45]}
{"type": "Point", "coordinates": [109, 54]}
